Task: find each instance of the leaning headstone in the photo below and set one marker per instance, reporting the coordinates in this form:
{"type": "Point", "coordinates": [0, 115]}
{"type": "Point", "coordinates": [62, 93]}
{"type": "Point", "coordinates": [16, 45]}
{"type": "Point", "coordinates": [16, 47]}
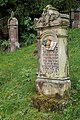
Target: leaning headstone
{"type": "Point", "coordinates": [13, 33]}
{"type": "Point", "coordinates": [53, 72]}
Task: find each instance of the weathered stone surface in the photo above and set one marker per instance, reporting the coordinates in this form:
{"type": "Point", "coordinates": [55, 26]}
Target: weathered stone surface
{"type": "Point", "coordinates": [53, 87]}
{"type": "Point", "coordinates": [13, 33]}
{"type": "Point", "coordinates": [53, 72]}
{"type": "Point", "coordinates": [51, 17]}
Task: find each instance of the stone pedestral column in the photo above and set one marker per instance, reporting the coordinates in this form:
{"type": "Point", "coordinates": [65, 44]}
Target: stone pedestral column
{"type": "Point", "coordinates": [13, 33]}
{"type": "Point", "coordinates": [53, 72]}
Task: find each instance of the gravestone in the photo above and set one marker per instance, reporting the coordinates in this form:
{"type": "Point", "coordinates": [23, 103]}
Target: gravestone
{"type": "Point", "coordinates": [76, 21]}
{"type": "Point", "coordinates": [13, 33]}
{"type": "Point", "coordinates": [53, 69]}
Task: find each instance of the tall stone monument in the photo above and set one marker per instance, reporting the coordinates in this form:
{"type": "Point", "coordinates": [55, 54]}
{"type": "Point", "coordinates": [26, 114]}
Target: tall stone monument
{"type": "Point", "coordinates": [13, 33]}
{"type": "Point", "coordinates": [53, 72]}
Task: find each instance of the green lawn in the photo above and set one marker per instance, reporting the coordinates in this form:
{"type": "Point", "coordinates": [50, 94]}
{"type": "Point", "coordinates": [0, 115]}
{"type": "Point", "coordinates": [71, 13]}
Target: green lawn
{"type": "Point", "coordinates": [17, 83]}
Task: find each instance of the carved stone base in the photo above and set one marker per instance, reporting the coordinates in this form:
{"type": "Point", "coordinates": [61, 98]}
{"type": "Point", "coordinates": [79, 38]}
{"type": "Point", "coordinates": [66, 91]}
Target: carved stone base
{"type": "Point", "coordinates": [53, 86]}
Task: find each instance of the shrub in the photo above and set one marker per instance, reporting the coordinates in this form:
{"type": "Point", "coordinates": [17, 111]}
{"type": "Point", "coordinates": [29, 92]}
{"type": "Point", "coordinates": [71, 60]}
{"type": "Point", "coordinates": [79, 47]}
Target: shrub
{"type": "Point", "coordinates": [29, 35]}
{"type": "Point", "coordinates": [4, 44]}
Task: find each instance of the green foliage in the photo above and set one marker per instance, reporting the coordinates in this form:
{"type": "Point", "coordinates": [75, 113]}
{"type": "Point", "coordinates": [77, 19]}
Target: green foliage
{"type": "Point", "coordinates": [4, 44]}
{"type": "Point", "coordinates": [29, 34]}
{"type": "Point", "coordinates": [17, 84]}
{"type": "Point", "coordinates": [32, 8]}
{"type": "Point", "coordinates": [25, 75]}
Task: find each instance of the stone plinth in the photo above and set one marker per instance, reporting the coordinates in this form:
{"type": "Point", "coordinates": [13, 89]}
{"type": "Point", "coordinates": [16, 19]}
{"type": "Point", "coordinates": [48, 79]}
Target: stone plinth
{"type": "Point", "coordinates": [13, 33]}
{"type": "Point", "coordinates": [53, 71]}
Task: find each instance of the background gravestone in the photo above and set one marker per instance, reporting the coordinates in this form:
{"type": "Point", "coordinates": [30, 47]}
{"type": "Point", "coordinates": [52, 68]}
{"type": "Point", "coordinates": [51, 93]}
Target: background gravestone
{"type": "Point", "coordinates": [53, 73]}
{"type": "Point", "coordinates": [13, 33]}
{"type": "Point", "coordinates": [76, 20]}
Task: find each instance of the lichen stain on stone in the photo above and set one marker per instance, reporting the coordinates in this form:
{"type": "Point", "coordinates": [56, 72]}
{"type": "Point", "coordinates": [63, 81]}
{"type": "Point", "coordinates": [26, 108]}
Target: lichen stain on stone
{"type": "Point", "coordinates": [39, 86]}
{"type": "Point", "coordinates": [49, 6]}
{"type": "Point", "coordinates": [60, 85]}
{"type": "Point", "coordinates": [67, 94]}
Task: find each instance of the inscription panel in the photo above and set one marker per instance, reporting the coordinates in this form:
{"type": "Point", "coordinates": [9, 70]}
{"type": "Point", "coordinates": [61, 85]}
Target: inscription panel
{"type": "Point", "coordinates": [50, 61]}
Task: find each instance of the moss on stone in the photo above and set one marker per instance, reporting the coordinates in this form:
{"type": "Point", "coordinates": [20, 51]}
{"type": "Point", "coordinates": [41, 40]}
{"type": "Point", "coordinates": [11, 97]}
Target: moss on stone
{"type": "Point", "coordinates": [48, 103]}
{"type": "Point", "coordinates": [49, 6]}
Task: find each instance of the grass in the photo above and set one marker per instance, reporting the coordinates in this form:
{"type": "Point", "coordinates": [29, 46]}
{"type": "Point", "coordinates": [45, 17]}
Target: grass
{"type": "Point", "coordinates": [17, 83]}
